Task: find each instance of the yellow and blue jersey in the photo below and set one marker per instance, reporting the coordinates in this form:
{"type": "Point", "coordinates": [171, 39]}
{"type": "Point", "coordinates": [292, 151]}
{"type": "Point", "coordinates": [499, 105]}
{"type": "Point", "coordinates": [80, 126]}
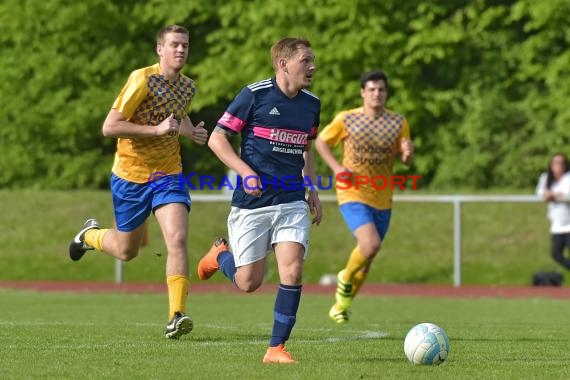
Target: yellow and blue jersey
{"type": "Point", "coordinates": [369, 147]}
{"type": "Point", "coordinates": [148, 98]}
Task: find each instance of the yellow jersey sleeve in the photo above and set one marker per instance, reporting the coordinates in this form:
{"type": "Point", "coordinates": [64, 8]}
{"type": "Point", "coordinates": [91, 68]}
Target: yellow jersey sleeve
{"type": "Point", "coordinates": [404, 134]}
{"type": "Point", "coordinates": [132, 94]}
{"type": "Point", "coordinates": [147, 99]}
{"type": "Point", "coordinates": [335, 132]}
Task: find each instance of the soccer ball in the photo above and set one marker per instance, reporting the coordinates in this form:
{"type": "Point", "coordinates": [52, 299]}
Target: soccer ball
{"type": "Point", "coordinates": [426, 344]}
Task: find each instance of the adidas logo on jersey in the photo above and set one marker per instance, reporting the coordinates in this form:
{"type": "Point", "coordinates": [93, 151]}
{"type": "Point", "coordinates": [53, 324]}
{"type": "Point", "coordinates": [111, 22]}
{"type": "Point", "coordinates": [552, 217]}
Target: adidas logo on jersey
{"type": "Point", "coordinates": [274, 111]}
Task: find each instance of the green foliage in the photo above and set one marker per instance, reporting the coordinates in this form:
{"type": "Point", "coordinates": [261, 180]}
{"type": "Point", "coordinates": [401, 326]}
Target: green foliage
{"type": "Point", "coordinates": [508, 112]}
{"type": "Point", "coordinates": [483, 83]}
{"type": "Point", "coordinates": [59, 59]}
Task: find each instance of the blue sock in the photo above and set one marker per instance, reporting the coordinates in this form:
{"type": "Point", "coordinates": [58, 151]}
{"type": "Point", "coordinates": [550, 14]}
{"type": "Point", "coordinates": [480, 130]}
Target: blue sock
{"type": "Point", "coordinates": [285, 313]}
{"type": "Point", "coordinates": [227, 265]}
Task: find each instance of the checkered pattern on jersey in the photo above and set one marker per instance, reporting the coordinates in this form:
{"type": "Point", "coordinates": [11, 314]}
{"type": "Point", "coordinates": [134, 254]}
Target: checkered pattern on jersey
{"type": "Point", "coordinates": [371, 142]}
{"type": "Point", "coordinates": [163, 99]}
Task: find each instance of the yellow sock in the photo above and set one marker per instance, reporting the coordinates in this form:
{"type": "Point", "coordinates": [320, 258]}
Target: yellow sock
{"type": "Point", "coordinates": [94, 238]}
{"type": "Point", "coordinates": [177, 292]}
{"type": "Point", "coordinates": [357, 281]}
{"type": "Point", "coordinates": [356, 262]}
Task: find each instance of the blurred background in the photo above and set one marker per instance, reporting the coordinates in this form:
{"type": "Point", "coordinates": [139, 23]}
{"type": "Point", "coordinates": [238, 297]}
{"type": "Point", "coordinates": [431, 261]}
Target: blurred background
{"type": "Point", "coordinates": [485, 85]}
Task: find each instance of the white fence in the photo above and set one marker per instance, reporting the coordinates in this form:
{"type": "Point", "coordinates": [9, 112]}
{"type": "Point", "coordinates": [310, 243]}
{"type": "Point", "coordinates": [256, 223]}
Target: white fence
{"type": "Point", "coordinates": [457, 201]}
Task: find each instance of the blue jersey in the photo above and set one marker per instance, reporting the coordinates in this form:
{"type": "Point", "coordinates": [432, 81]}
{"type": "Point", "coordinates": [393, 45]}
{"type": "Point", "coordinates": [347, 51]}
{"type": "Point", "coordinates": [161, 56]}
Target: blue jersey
{"type": "Point", "coordinates": [275, 130]}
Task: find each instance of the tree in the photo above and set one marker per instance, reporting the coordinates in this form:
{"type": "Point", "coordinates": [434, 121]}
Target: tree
{"type": "Point", "coordinates": [483, 83]}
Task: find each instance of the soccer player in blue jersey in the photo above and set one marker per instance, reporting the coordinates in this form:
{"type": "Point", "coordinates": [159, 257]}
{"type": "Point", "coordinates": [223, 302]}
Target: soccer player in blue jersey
{"type": "Point", "coordinates": [277, 119]}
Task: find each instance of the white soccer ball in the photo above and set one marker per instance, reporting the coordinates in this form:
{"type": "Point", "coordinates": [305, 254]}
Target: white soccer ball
{"type": "Point", "coordinates": [327, 279]}
{"type": "Point", "coordinates": [426, 344]}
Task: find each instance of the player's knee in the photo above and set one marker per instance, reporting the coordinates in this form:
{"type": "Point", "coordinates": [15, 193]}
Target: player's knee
{"type": "Point", "coordinates": [370, 248]}
{"type": "Point", "coordinates": [250, 285]}
{"type": "Point", "coordinates": [176, 241]}
{"type": "Point", "coordinates": [127, 253]}
{"type": "Point", "coordinates": [292, 275]}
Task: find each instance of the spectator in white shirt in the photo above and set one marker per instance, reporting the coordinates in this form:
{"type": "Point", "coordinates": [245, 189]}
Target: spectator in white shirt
{"type": "Point", "coordinates": [554, 187]}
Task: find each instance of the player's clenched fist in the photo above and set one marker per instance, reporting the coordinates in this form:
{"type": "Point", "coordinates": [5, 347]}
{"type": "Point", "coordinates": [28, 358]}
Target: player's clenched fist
{"type": "Point", "coordinates": [199, 134]}
{"type": "Point", "coordinates": [407, 148]}
{"type": "Point", "coordinates": [169, 126]}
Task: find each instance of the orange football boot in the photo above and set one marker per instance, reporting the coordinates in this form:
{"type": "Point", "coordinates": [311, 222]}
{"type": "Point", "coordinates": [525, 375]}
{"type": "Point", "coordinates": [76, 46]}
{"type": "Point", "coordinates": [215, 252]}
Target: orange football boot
{"type": "Point", "coordinates": [277, 355]}
{"type": "Point", "coordinates": [208, 265]}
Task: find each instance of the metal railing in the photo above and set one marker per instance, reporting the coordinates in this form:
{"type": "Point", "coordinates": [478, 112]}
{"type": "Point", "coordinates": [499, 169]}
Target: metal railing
{"type": "Point", "coordinates": [456, 200]}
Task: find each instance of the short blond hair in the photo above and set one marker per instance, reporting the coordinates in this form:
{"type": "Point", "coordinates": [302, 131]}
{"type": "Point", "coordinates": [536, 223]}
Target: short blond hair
{"type": "Point", "coordinates": [160, 36]}
{"type": "Point", "coordinates": [286, 48]}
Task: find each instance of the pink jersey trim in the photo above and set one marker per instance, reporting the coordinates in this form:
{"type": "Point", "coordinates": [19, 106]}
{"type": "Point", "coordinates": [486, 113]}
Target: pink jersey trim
{"type": "Point", "coordinates": [230, 121]}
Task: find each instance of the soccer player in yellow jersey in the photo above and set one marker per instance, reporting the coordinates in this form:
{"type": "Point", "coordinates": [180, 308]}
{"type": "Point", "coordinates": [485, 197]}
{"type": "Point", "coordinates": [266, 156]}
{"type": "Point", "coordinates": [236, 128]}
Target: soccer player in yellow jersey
{"type": "Point", "coordinates": [147, 118]}
{"type": "Point", "coordinates": [371, 137]}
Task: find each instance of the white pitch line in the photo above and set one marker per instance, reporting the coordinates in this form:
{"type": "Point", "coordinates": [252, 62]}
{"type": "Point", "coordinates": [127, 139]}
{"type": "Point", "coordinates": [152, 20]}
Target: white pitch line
{"type": "Point", "coordinates": [43, 323]}
{"type": "Point", "coordinates": [351, 335]}
{"type": "Point", "coordinates": [363, 335]}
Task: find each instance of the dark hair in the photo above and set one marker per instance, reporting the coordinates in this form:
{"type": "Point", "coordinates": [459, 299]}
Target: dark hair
{"type": "Point", "coordinates": [374, 76]}
{"type": "Point", "coordinates": [550, 177]}
{"type": "Point", "coordinates": [170, 29]}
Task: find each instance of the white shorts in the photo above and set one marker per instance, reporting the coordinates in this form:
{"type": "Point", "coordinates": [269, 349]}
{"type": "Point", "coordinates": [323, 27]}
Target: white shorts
{"type": "Point", "coordinates": [253, 232]}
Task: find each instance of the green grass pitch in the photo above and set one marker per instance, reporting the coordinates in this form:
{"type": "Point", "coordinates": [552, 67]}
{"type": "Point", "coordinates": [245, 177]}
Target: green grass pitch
{"type": "Point", "coordinates": [503, 244]}
{"type": "Point", "coordinates": [120, 336]}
